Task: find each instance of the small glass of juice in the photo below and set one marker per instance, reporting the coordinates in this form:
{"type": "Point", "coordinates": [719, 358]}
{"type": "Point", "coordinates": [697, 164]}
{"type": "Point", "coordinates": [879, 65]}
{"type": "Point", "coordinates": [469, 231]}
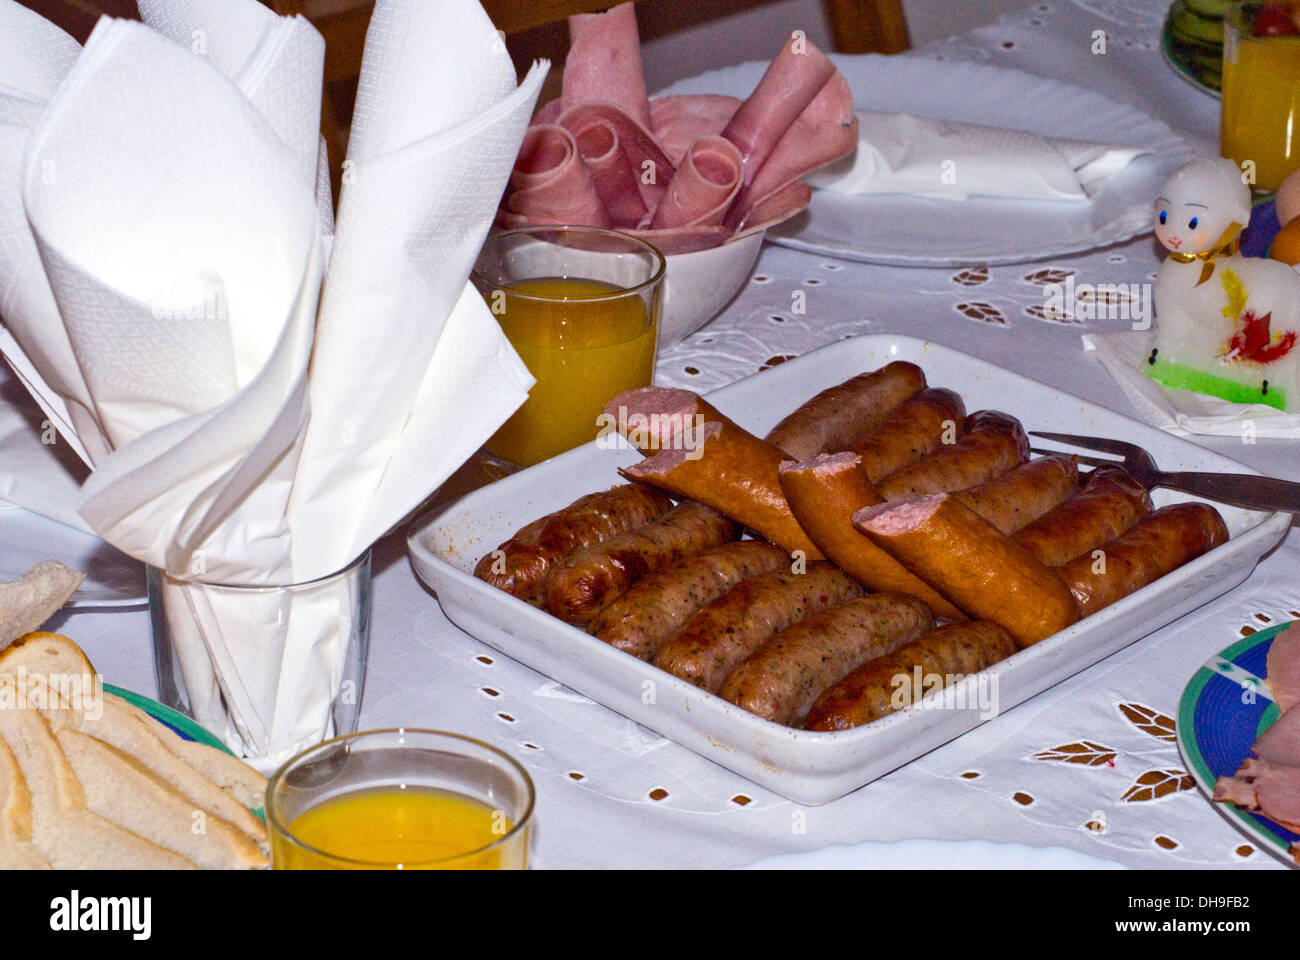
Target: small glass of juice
{"type": "Point", "coordinates": [400, 799]}
{"type": "Point", "coordinates": [1261, 90]}
{"type": "Point", "coordinates": [580, 305]}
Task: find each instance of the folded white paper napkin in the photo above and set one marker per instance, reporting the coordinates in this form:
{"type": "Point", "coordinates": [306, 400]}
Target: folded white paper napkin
{"type": "Point", "coordinates": [1182, 412]}
{"type": "Point", "coordinates": [37, 470]}
{"type": "Point", "coordinates": [248, 428]}
{"type": "Point", "coordinates": [898, 153]}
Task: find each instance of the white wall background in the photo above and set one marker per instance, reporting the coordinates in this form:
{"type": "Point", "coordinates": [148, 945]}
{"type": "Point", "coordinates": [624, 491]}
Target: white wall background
{"type": "Point", "coordinates": [758, 33]}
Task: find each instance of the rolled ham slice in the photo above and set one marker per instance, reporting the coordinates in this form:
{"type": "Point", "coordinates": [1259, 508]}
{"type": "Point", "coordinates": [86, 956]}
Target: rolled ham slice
{"type": "Point", "coordinates": [550, 181]}
{"type": "Point", "coordinates": [703, 186]}
{"type": "Point", "coordinates": [611, 173]}
{"type": "Point", "coordinates": [604, 63]}
{"type": "Point", "coordinates": [678, 121]}
{"type": "Point", "coordinates": [793, 79]}
{"type": "Point", "coordinates": [1283, 666]}
{"type": "Point", "coordinates": [651, 168]}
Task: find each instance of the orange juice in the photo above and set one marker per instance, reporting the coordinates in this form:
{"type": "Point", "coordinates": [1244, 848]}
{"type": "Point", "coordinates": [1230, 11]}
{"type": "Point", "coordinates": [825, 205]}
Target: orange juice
{"type": "Point", "coordinates": [416, 827]}
{"type": "Point", "coordinates": [584, 343]}
{"type": "Point", "coordinates": [1261, 103]}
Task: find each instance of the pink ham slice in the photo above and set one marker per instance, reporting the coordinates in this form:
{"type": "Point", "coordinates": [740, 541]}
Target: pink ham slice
{"type": "Point", "coordinates": [703, 187]}
{"type": "Point", "coordinates": [1283, 666]}
{"type": "Point", "coordinates": [793, 79]}
{"type": "Point", "coordinates": [824, 132]}
{"type": "Point", "coordinates": [604, 63]}
{"type": "Point", "coordinates": [1280, 743]}
{"type": "Point", "coordinates": [612, 173]}
{"type": "Point", "coordinates": [679, 120]}
{"type": "Point", "coordinates": [551, 182]}
{"type": "Point", "coordinates": [1267, 788]}
{"type": "Point", "coordinates": [646, 158]}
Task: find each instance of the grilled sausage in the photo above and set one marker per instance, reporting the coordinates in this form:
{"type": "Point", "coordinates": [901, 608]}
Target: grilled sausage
{"type": "Point", "coordinates": [984, 573]}
{"type": "Point", "coordinates": [581, 585]}
{"type": "Point", "coordinates": [824, 493]}
{"type": "Point", "coordinates": [842, 414]}
{"type": "Point", "coordinates": [1021, 495]}
{"type": "Point", "coordinates": [992, 444]}
{"type": "Point", "coordinates": [519, 566]}
{"type": "Point", "coordinates": [887, 683]}
{"type": "Point", "coordinates": [917, 427]}
{"type": "Point", "coordinates": [1158, 544]}
{"type": "Point", "coordinates": [717, 638]}
{"type": "Point", "coordinates": [639, 621]}
{"type": "Point", "coordinates": [780, 680]}
{"type": "Point", "coordinates": [735, 472]}
{"type": "Point", "coordinates": [1110, 502]}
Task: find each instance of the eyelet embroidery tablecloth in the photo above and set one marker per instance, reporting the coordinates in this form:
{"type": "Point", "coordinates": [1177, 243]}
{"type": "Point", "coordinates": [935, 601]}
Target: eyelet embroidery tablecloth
{"type": "Point", "coordinates": [1090, 764]}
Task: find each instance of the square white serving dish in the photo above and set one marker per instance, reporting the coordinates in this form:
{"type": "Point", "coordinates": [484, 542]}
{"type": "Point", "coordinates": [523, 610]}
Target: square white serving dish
{"type": "Point", "coordinates": [808, 767]}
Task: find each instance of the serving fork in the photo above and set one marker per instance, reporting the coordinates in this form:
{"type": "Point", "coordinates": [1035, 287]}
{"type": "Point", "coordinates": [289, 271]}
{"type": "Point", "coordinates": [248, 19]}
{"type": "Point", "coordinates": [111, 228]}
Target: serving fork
{"type": "Point", "coordinates": [1235, 489]}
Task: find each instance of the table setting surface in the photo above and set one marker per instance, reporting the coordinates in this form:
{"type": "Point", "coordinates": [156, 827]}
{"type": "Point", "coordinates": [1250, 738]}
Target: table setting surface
{"type": "Point", "coordinates": [1090, 768]}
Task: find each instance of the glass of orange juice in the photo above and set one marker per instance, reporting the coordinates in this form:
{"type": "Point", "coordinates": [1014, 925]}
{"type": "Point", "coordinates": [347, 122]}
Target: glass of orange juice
{"type": "Point", "coordinates": [400, 799]}
{"type": "Point", "coordinates": [581, 307]}
{"type": "Point", "coordinates": [1261, 90]}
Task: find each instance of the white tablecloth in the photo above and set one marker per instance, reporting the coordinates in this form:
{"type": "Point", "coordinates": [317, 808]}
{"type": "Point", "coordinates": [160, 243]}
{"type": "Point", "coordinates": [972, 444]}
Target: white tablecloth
{"type": "Point", "coordinates": [614, 794]}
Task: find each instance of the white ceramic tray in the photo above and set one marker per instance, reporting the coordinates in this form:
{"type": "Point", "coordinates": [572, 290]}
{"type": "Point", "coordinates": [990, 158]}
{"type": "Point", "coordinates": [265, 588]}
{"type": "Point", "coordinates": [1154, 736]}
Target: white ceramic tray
{"type": "Point", "coordinates": [803, 766]}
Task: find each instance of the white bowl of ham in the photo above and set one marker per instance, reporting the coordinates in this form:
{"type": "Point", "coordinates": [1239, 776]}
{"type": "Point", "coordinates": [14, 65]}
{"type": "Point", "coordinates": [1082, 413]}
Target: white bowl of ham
{"type": "Point", "coordinates": [699, 285]}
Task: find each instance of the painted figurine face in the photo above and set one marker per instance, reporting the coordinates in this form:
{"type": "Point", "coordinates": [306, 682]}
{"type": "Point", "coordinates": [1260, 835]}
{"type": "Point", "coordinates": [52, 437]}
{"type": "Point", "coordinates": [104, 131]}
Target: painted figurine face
{"type": "Point", "coordinates": [1199, 203]}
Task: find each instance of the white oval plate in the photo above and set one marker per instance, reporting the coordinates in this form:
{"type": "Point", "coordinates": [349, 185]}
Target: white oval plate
{"type": "Point", "coordinates": [921, 854]}
{"type": "Point", "coordinates": [112, 578]}
{"type": "Point", "coordinates": [919, 231]}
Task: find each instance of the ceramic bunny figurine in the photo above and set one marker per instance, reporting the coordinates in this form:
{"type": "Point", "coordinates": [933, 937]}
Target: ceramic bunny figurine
{"type": "Point", "coordinates": [1226, 324]}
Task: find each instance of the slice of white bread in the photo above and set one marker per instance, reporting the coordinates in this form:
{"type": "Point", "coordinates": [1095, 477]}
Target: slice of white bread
{"type": "Point", "coordinates": [116, 725]}
{"type": "Point", "coordinates": [225, 770]}
{"type": "Point", "coordinates": [121, 790]}
{"type": "Point", "coordinates": [16, 850]}
{"type": "Point", "coordinates": [64, 830]}
{"type": "Point", "coordinates": [33, 598]}
{"type": "Point", "coordinates": [52, 653]}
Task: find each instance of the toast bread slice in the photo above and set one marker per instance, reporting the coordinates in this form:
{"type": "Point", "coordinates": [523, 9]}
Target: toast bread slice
{"type": "Point", "coordinates": [34, 597]}
{"type": "Point", "coordinates": [52, 653]}
{"type": "Point", "coordinates": [16, 850]}
{"type": "Point", "coordinates": [116, 725]}
{"type": "Point", "coordinates": [120, 789]}
{"type": "Point", "coordinates": [64, 830]}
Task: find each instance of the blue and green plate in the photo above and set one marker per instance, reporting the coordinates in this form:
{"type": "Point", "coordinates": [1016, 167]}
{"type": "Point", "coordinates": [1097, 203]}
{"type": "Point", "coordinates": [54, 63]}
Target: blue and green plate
{"type": "Point", "coordinates": [1224, 709]}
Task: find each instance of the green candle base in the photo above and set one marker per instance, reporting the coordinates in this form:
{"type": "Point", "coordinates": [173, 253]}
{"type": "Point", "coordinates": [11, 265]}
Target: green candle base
{"type": "Point", "coordinates": [1181, 377]}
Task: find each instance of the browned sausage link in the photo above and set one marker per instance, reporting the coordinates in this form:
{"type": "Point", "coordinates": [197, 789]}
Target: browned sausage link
{"type": "Point", "coordinates": [841, 414]}
{"type": "Point", "coordinates": [1110, 502]}
{"type": "Point", "coordinates": [639, 621]}
{"type": "Point", "coordinates": [1158, 544]}
{"type": "Point", "coordinates": [735, 472]}
{"type": "Point", "coordinates": [992, 444]}
{"type": "Point", "coordinates": [888, 683]}
{"type": "Point", "coordinates": [824, 493]}
{"type": "Point", "coordinates": [717, 638]}
{"type": "Point", "coordinates": [780, 680]}
{"type": "Point", "coordinates": [519, 566]}
{"type": "Point", "coordinates": [983, 572]}
{"type": "Point", "coordinates": [911, 431]}
{"type": "Point", "coordinates": [578, 588]}
{"type": "Point", "coordinates": [1018, 497]}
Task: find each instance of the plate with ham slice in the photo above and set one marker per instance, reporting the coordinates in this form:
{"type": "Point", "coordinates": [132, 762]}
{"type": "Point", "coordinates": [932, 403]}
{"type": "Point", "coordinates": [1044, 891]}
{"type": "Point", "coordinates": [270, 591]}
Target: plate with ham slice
{"type": "Point", "coordinates": [1239, 732]}
{"type": "Point", "coordinates": [906, 230]}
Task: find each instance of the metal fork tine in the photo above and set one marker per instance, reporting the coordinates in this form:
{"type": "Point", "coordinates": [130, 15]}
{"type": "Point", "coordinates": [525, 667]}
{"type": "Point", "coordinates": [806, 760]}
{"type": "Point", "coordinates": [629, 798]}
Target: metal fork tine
{"type": "Point", "coordinates": [1089, 461]}
{"type": "Point", "coordinates": [1104, 444]}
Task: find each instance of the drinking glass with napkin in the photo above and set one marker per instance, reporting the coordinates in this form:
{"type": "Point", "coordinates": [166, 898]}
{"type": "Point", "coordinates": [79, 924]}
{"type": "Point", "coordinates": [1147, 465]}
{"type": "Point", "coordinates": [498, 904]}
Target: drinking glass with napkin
{"type": "Point", "coordinates": [270, 402]}
{"type": "Point", "coordinates": [898, 153]}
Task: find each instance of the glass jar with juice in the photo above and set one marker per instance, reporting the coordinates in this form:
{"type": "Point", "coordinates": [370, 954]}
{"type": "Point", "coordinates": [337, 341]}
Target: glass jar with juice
{"type": "Point", "coordinates": [580, 305]}
{"type": "Point", "coordinates": [400, 799]}
{"type": "Point", "coordinates": [1261, 90]}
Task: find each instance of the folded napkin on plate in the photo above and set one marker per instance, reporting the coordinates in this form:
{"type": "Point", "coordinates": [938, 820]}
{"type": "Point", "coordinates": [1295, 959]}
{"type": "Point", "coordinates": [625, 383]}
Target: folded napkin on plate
{"type": "Point", "coordinates": [175, 196]}
{"type": "Point", "coordinates": [1182, 412]}
{"type": "Point", "coordinates": [898, 153]}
